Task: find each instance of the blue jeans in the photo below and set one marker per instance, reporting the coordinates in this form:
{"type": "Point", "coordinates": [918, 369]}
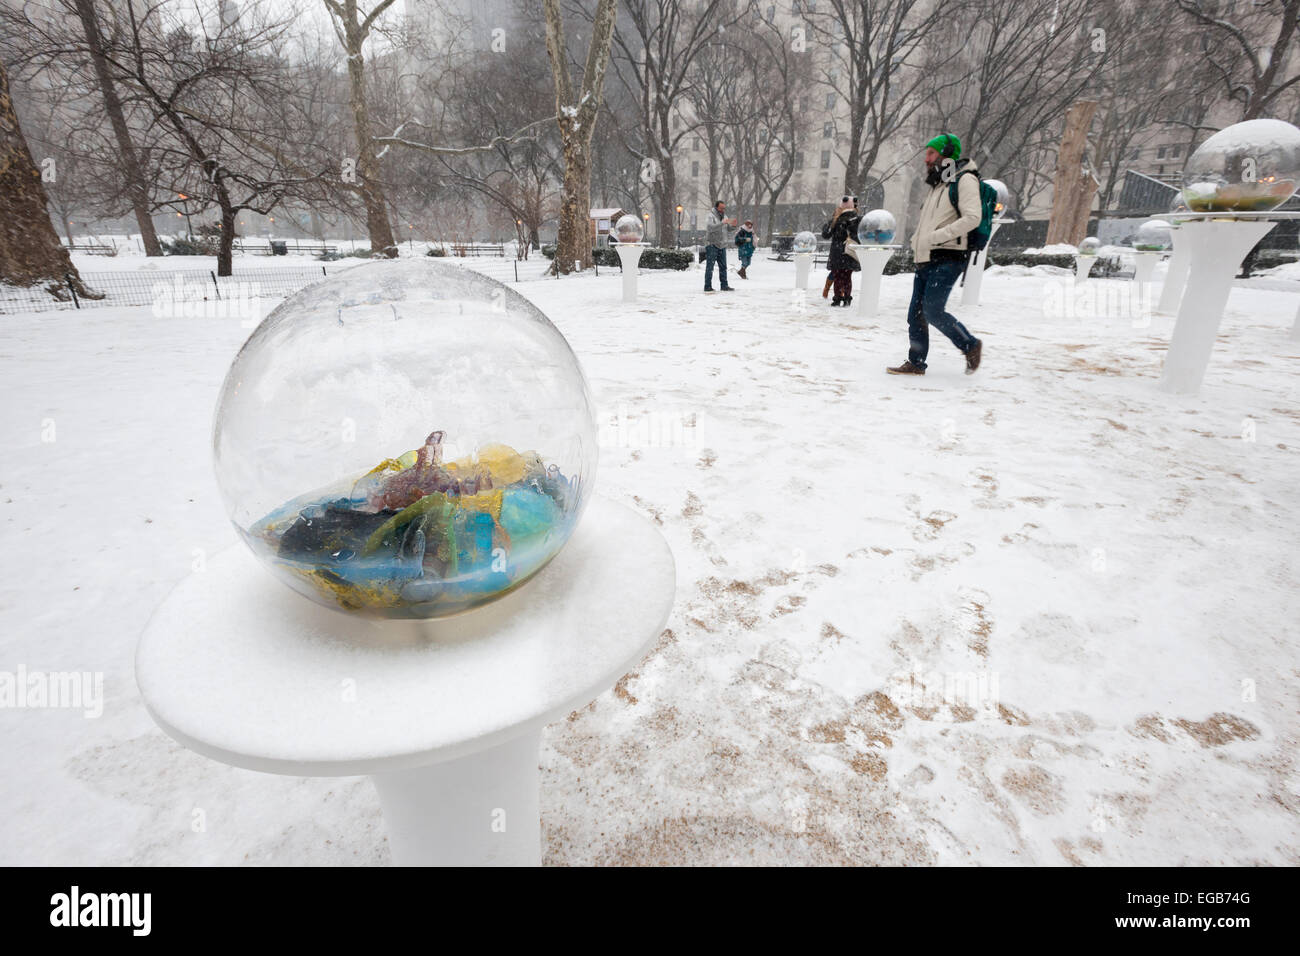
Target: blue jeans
{"type": "Point", "coordinates": [930, 289]}
{"type": "Point", "coordinates": [714, 254]}
{"type": "Point", "coordinates": [745, 254]}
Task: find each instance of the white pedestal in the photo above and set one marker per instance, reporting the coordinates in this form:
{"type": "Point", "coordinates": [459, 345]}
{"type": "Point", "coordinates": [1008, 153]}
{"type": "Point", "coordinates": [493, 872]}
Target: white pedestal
{"type": "Point", "coordinates": [445, 715]}
{"type": "Point", "coordinates": [802, 263]}
{"type": "Point", "coordinates": [873, 260]}
{"type": "Point", "coordinates": [974, 282]}
{"type": "Point", "coordinates": [1295, 327]}
{"type": "Point", "coordinates": [1082, 266]}
{"type": "Point", "coordinates": [1215, 248]}
{"type": "Point", "coordinates": [1171, 293]}
{"type": "Point", "coordinates": [629, 255]}
{"type": "Point", "coordinates": [1144, 267]}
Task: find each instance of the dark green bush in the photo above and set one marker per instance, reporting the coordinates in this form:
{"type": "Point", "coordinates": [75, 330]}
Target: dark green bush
{"type": "Point", "coordinates": [190, 247]}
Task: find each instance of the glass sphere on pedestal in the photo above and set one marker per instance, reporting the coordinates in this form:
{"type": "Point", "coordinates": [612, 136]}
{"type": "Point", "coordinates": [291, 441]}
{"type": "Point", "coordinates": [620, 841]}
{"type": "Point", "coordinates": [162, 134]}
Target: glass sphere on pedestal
{"type": "Point", "coordinates": [629, 229]}
{"type": "Point", "coordinates": [405, 440]}
{"type": "Point", "coordinates": [1004, 195]}
{"type": "Point", "coordinates": [1090, 246]}
{"type": "Point", "coordinates": [877, 228]}
{"type": "Point", "coordinates": [1153, 236]}
{"type": "Point", "coordinates": [805, 242]}
{"type": "Point", "coordinates": [1249, 167]}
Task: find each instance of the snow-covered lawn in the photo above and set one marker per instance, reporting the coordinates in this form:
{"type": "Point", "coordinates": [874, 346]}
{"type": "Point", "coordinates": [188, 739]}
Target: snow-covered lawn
{"type": "Point", "coordinates": [1045, 614]}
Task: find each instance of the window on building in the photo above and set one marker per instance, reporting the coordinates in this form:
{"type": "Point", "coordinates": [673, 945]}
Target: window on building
{"type": "Point", "coordinates": [695, 145]}
{"type": "Point", "coordinates": [1160, 153]}
{"type": "Point", "coordinates": [805, 104]}
{"type": "Point", "coordinates": [695, 168]}
{"type": "Point", "coordinates": [828, 130]}
{"type": "Point", "coordinates": [826, 159]}
{"type": "Point", "coordinates": [830, 101]}
{"type": "Point", "coordinates": [798, 160]}
{"type": "Point", "coordinates": [1175, 152]}
{"type": "Point", "coordinates": [771, 13]}
{"type": "Point", "coordinates": [1137, 151]}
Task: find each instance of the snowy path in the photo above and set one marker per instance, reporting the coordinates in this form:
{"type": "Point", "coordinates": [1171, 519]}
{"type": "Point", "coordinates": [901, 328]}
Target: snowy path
{"type": "Point", "coordinates": [1113, 568]}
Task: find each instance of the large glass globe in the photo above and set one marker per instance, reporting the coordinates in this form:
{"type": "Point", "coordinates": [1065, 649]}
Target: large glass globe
{"type": "Point", "coordinates": [1249, 167]}
{"type": "Point", "coordinates": [629, 229]}
{"type": "Point", "coordinates": [1004, 194]}
{"type": "Point", "coordinates": [877, 228]}
{"type": "Point", "coordinates": [1153, 236]}
{"type": "Point", "coordinates": [405, 439]}
{"type": "Point", "coordinates": [805, 242]}
{"type": "Point", "coordinates": [1090, 246]}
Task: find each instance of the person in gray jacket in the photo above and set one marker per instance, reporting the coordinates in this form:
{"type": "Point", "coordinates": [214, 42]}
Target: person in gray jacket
{"type": "Point", "coordinates": [940, 251]}
{"type": "Point", "coordinates": [716, 250]}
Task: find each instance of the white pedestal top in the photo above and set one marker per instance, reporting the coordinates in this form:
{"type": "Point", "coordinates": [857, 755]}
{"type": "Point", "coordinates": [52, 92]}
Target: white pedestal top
{"type": "Point", "coordinates": [237, 667]}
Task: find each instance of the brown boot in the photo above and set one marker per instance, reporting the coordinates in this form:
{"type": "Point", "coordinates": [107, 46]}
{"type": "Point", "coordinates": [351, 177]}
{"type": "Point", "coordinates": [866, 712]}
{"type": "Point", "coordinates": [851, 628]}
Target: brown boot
{"type": "Point", "coordinates": [742, 273]}
{"type": "Point", "coordinates": [973, 358]}
{"type": "Point", "coordinates": [826, 289]}
{"type": "Point", "coordinates": [907, 368]}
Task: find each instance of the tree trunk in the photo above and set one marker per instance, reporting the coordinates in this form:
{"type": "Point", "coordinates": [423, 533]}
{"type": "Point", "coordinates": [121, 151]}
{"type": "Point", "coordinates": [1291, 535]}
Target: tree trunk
{"type": "Point", "coordinates": [575, 114]}
{"type": "Point", "coordinates": [1073, 188]}
{"type": "Point", "coordinates": [226, 247]}
{"type": "Point", "coordinates": [136, 187]}
{"type": "Point", "coordinates": [30, 251]}
{"type": "Point", "coordinates": [372, 192]}
{"type": "Point", "coordinates": [667, 210]}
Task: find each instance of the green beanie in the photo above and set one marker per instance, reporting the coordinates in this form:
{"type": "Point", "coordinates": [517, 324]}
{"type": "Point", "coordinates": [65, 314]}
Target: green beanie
{"type": "Point", "coordinates": [946, 141]}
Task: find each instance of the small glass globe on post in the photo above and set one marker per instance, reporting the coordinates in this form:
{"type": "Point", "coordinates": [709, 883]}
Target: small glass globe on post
{"type": "Point", "coordinates": [1154, 235]}
{"type": "Point", "coordinates": [1004, 196]}
{"type": "Point", "coordinates": [877, 228]}
{"type": "Point", "coordinates": [629, 229]}
{"type": "Point", "coordinates": [805, 243]}
{"type": "Point", "coordinates": [1090, 246]}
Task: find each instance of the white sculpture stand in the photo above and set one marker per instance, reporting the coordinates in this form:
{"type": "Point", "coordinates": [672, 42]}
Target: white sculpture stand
{"type": "Point", "coordinates": [444, 715]}
{"type": "Point", "coordinates": [1295, 327]}
{"type": "Point", "coordinates": [629, 255]}
{"type": "Point", "coordinates": [873, 260]}
{"type": "Point", "coordinates": [1144, 267]}
{"type": "Point", "coordinates": [802, 264]}
{"type": "Point", "coordinates": [974, 282]}
{"type": "Point", "coordinates": [1215, 248]}
{"type": "Point", "coordinates": [1083, 266]}
{"type": "Point", "coordinates": [1171, 293]}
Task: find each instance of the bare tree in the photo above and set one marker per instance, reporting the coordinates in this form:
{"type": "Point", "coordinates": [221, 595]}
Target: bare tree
{"type": "Point", "coordinates": [576, 110]}
{"type": "Point", "coordinates": [1254, 64]}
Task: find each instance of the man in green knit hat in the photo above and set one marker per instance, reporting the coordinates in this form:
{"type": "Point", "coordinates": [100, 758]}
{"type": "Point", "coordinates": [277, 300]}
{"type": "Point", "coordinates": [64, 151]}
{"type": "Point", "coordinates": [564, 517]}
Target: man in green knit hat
{"type": "Point", "coordinates": [940, 250]}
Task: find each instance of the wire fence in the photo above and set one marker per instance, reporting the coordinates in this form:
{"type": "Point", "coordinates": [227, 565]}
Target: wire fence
{"type": "Point", "coordinates": [198, 291]}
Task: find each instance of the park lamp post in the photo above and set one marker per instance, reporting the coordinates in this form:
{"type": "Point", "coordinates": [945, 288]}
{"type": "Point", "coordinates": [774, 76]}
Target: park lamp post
{"type": "Point", "coordinates": [679, 225]}
{"type": "Point", "coordinates": [185, 210]}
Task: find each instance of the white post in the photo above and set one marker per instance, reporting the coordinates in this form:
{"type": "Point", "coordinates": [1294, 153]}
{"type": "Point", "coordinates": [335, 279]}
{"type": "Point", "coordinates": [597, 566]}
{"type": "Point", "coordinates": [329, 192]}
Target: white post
{"type": "Point", "coordinates": [480, 810]}
{"type": "Point", "coordinates": [629, 255]}
{"type": "Point", "coordinates": [802, 263]}
{"type": "Point", "coordinates": [1144, 267]}
{"type": "Point", "coordinates": [1215, 249]}
{"type": "Point", "coordinates": [970, 290]}
{"type": "Point", "coordinates": [873, 260]}
{"type": "Point", "coordinates": [1295, 328]}
{"type": "Point", "coordinates": [1176, 275]}
{"type": "Point", "coordinates": [1082, 266]}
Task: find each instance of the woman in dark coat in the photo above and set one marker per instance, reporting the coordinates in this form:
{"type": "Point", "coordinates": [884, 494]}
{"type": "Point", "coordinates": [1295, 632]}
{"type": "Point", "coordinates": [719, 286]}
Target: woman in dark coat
{"type": "Point", "coordinates": [842, 227]}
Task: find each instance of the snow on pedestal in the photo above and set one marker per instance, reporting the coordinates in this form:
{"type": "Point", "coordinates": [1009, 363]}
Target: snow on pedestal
{"type": "Point", "coordinates": [1144, 266]}
{"type": "Point", "coordinates": [1083, 266]}
{"type": "Point", "coordinates": [629, 255]}
{"type": "Point", "coordinates": [873, 260]}
{"type": "Point", "coordinates": [1215, 250]}
{"type": "Point", "coordinates": [1176, 275]}
{"type": "Point", "coordinates": [446, 714]}
{"type": "Point", "coordinates": [970, 290]}
{"type": "Point", "coordinates": [802, 264]}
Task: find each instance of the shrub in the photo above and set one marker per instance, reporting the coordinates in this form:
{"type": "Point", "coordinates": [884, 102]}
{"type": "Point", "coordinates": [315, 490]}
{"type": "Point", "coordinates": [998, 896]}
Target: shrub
{"type": "Point", "coordinates": [198, 246]}
{"type": "Point", "coordinates": [437, 251]}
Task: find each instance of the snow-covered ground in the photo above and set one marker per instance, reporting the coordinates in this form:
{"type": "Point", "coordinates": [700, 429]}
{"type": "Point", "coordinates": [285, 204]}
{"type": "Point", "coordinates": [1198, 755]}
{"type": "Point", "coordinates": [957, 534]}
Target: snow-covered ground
{"type": "Point", "coordinates": [1045, 614]}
